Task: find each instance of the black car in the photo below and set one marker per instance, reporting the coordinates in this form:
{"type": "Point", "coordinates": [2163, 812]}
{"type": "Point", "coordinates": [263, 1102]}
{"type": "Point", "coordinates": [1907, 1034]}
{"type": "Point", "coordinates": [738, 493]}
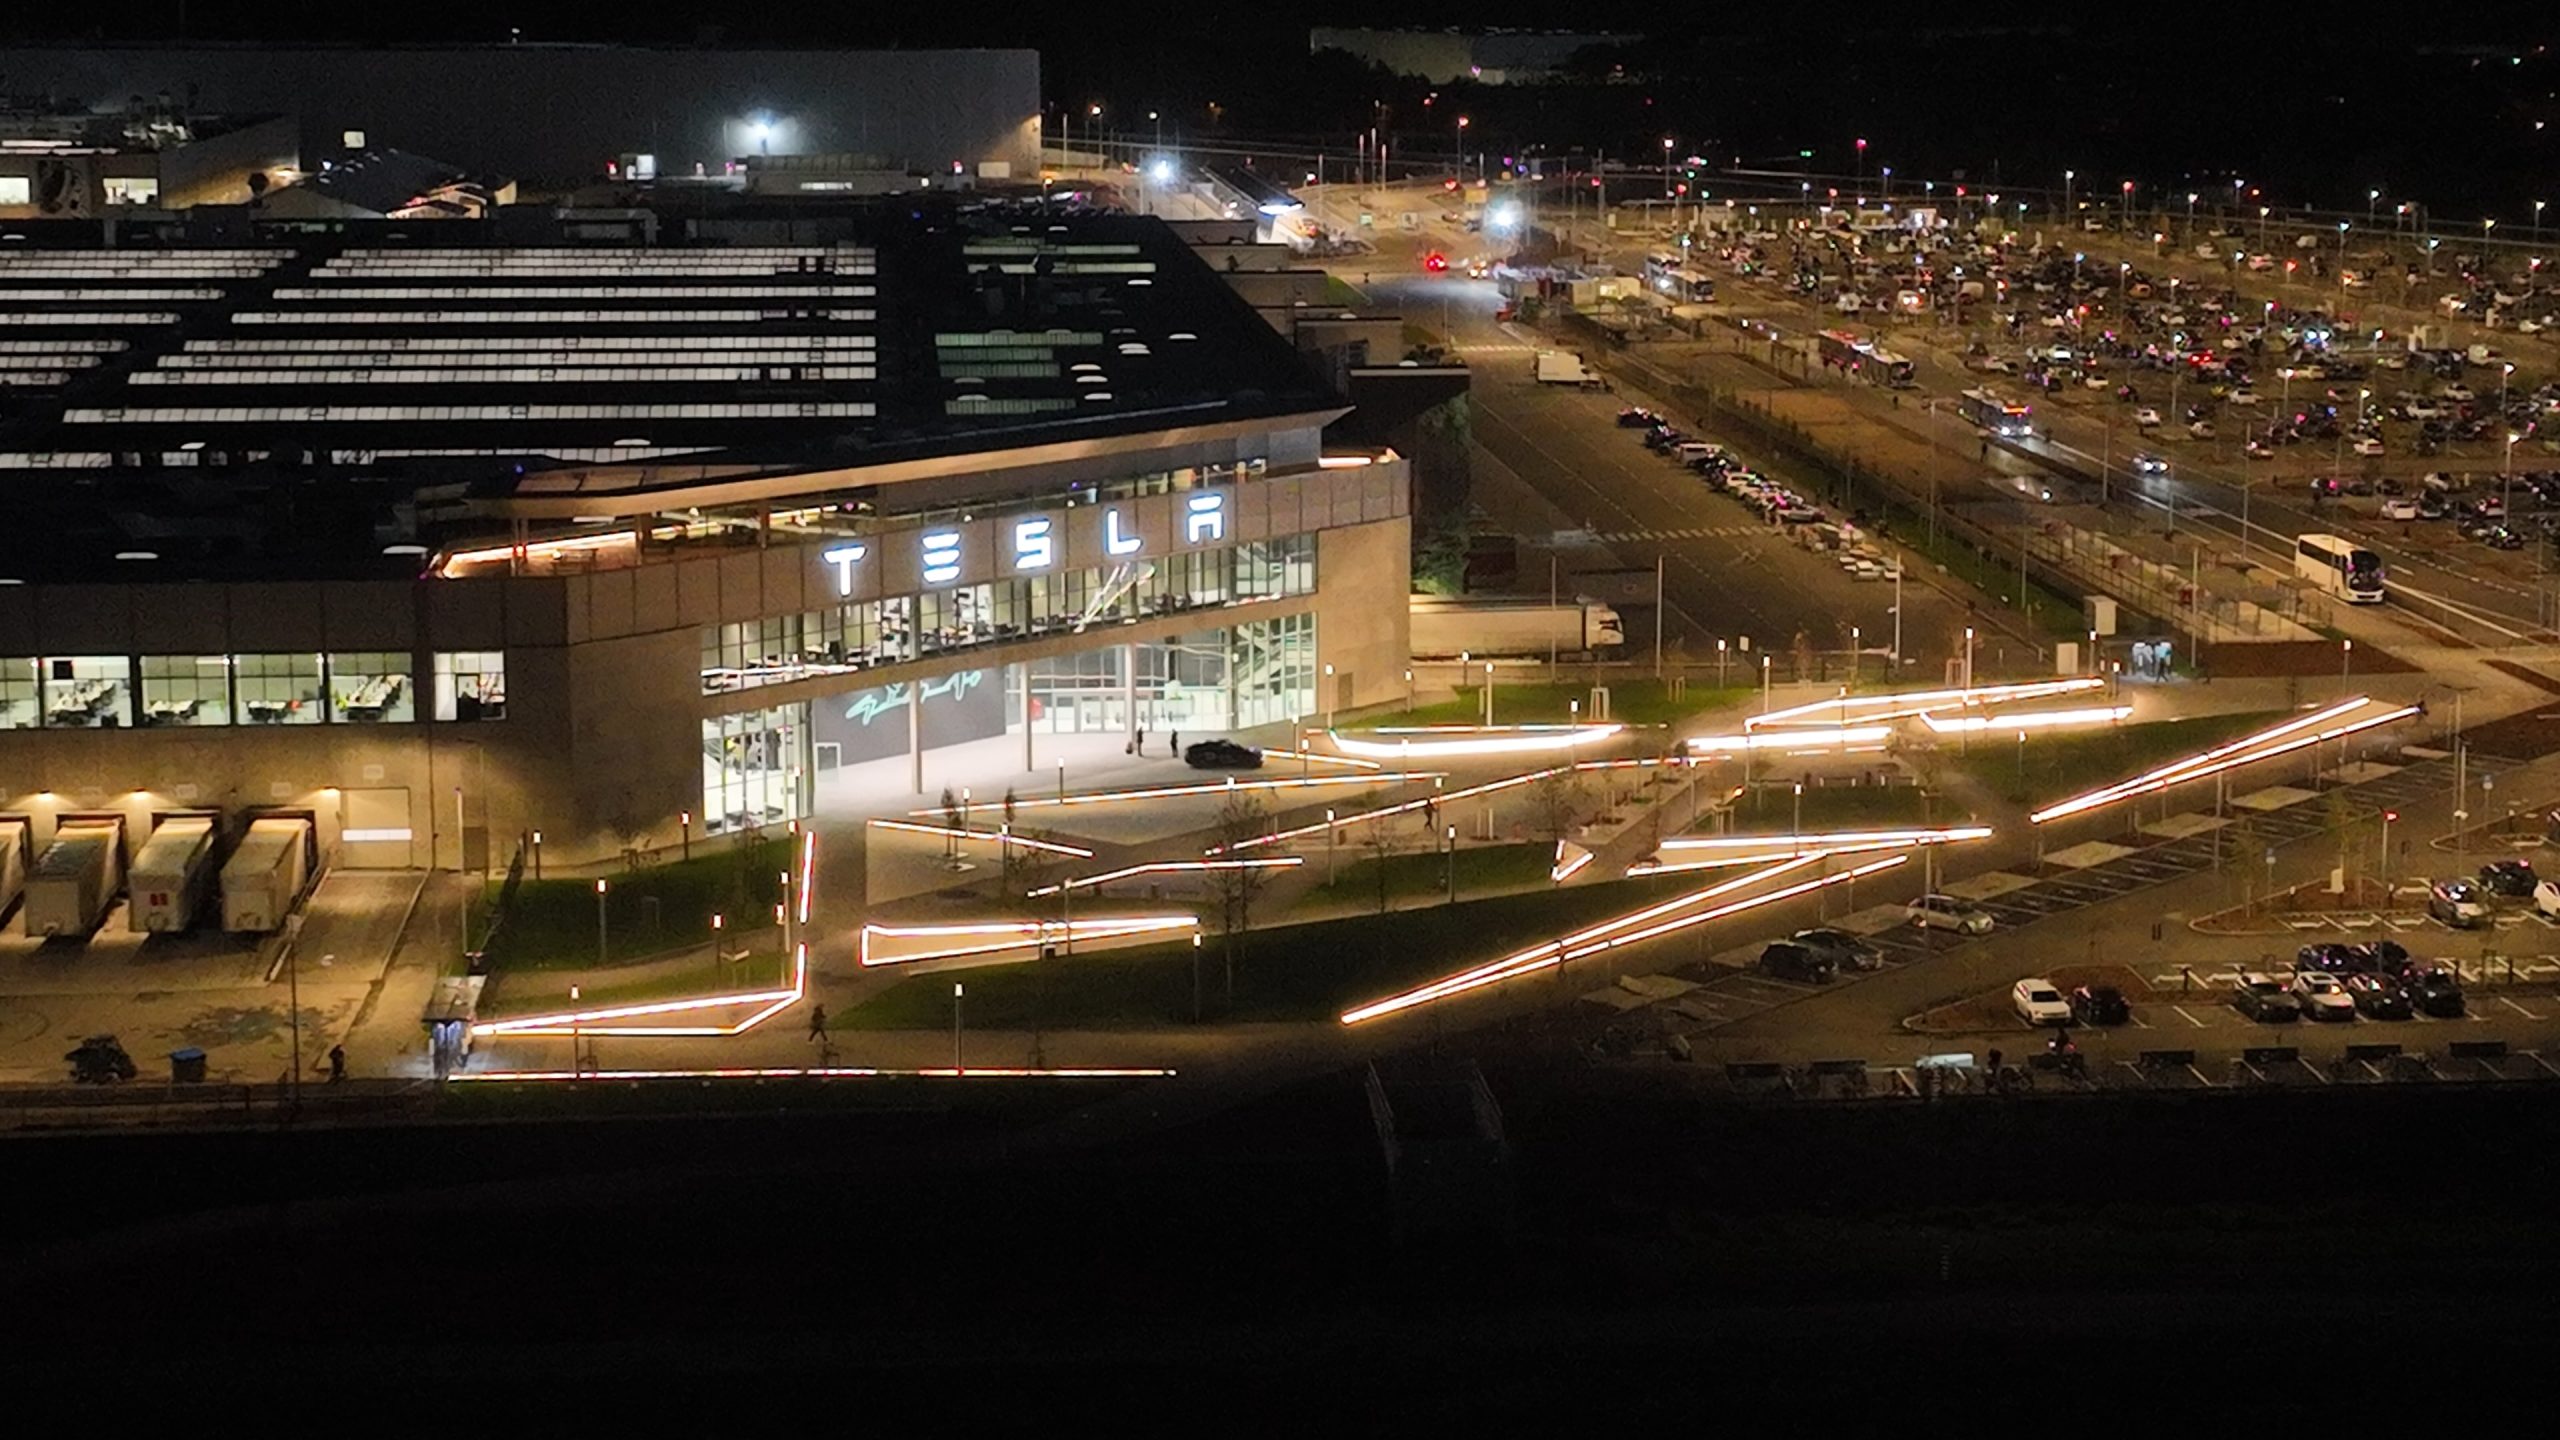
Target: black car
{"type": "Point", "coordinates": [2099, 1005]}
{"type": "Point", "coordinates": [2388, 958]}
{"type": "Point", "coordinates": [1846, 951]}
{"type": "Point", "coordinates": [1789, 961]}
{"type": "Point", "coordinates": [1221, 755]}
{"type": "Point", "coordinates": [1635, 419]}
{"type": "Point", "coordinates": [2335, 956]}
{"type": "Point", "coordinates": [2437, 991]}
{"type": "Point", "coordinates": [1662, 437]}
{"type": "Point", "coordinates": [2377, 998]}
{"type": "Point", "coordinates": [2264, 998]}
{"type": "Point", "coordinates": [2511, 878]}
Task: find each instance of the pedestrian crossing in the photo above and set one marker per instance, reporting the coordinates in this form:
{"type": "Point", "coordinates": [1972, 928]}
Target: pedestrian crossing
{"type": "Point", "coordinates": [1686, 532]}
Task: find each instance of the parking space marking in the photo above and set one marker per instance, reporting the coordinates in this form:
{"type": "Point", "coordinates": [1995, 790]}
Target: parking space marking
{"type": "Point", "coordinates": [2190, 1019]}
{"type": "Point", "coordinates": [2510, 1004]}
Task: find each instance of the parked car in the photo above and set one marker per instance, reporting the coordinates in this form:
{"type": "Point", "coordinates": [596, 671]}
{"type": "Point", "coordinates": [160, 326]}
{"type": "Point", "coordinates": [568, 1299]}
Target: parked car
{"type": "Point", "coordinates": [2148, 417]}
{"type": "Point", "coordinates": [2377, 998]}
{"type": "Point", "coordinates": [2039, 1003]}
{"type": "Point", "coordinates": [1848, 951]}
{"type": "Point", "coordinates": [2264, 998]}
{"type": "Point", "coordinates": [2366, 445]}
{"type": "Point", "coordinates": [1789, 961]}
{"type": "Point", "coordinates": [1946, 912]}
{"type": "Point", "coordinates": [2321, 996]}
{"type": "Point", "coordinates": [2436, 990]}
{"type": "Point", "coordinates": [1221, 755]}
{"type": "Point", "coordinates": [2146, 463]}
{"type": "Point", "coordinates": [1635, 418]}
{"type": "Point", "coordinates": [2099, 1005]}
{"type": "Point", "coordinates": [2513, 879]}
{"type": "Point", "coordinates": [2457, 903]}
{"type": "Point", "coordinates": [2334, 957]}
{"type": "Point", "coordinates": [2400, 507]}
{"type": "Point", "coordinates": [2546, 899]}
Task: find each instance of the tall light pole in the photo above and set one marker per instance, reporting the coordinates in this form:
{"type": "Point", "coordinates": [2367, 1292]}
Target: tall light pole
{"type": "Point", "coordinates": [2537, 222]}
{"type": "Point", "coordinates": [1459, 167]}
{"type": "Point", "coordinates": [1861, 182]}
{"type": "Point", "coordinates": [2191, 217]}
{"type": "Point", "coordinates": [2067, 177]}
{"type": "Point", "coordinates": [1968, 657]}
{"type": "Point", "coordinates": [600, 941]}
{"type": "Point", "coordinates": [957, 989]}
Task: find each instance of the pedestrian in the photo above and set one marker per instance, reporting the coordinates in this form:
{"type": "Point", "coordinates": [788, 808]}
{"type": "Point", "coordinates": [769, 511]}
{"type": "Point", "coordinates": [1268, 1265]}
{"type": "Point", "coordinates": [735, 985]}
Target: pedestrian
{"type": "Point", "coordinates": [337, 1063]}
{"type": "Point", "coordinates": [1995, 1069]}
{"type": "Point", "coordinates": [818, 1022]}
{"type": "Point", "coordinates": [1142, 742]}
{"type": "Point", "coordinates": [1177, 745]}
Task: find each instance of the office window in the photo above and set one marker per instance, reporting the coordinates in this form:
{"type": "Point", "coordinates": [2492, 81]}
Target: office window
{"type": "Point", "coordinates": [279, 689]}
{"type": "Point", "coordinates": [471, 685]}
{"type": "Point", "coordinates": [754, 768]}
{"type": "Point", "coordinates": [132, 189]}
{"type": "Point", "coordinates": [21, 697]}
{"type": "Point", "coordinates": [371, 686]}
{"type": "Point", "coordinates": [88, 690]}
{"type": "Point", "coordinates": [16, 190]}
{"type": "Point", "coordinates": [186, 689]}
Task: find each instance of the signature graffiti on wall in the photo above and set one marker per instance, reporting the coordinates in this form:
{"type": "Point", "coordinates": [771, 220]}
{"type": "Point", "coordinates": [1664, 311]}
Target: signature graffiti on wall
{"type": "Point", "coordinates": [870, 705]}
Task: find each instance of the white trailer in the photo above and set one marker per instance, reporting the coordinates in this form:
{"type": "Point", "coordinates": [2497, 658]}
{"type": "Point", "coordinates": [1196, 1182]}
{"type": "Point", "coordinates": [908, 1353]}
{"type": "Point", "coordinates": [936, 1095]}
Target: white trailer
{"type": "Point", "coordinates": [1483, 627]}
{"type": "Point", "coordinates": [75, 880]}
{"type": "Point", "coordinates": [171, 874]}
{"type": "Point", "coordinates": [14, 852]}
{"type": "Point", "coordinates": [1556, 367]}
{"type": "Point", "coordinates": [264, 875]}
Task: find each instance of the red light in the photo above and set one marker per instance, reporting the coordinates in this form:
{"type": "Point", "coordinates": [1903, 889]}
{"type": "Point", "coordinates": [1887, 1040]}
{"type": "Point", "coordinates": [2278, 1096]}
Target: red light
{"type": "Point", "coordinates": [2391, 815]}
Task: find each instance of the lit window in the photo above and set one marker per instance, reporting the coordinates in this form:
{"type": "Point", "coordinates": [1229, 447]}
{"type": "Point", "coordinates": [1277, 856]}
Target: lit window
{"type": "Point", "coordinates": [21, 697]}
{"type": "Point", "coordinates": [471, 685]}
{"type": "Point", "coordinates": [88, 690]}
{"type": "Point", "coordinates": [371, 686]}
{"type": "Point", "coordinates": [280, 689]}
{"type": "Point", "coordinates": [186, 690]}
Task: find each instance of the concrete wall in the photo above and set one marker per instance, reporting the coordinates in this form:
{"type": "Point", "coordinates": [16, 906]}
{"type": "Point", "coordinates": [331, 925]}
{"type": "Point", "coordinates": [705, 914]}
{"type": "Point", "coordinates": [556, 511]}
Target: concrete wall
{"type": "Point", "coordinates": [557, 113]}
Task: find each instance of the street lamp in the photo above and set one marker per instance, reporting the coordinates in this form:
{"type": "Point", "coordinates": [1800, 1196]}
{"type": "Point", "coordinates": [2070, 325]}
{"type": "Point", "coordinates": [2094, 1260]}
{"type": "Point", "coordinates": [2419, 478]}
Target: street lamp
{"type": "Point", "coordinates": [1459, 169]}
{"type": "Point", "coordinates": [2191, 216]}
{"type": "Point", "coordinates": [957, 989]}
{"type": "Point", "coordinates": [1968, 657]}
{"type": "Point", "coordinates": [2537, 222]}
{"type": "Point", "coordinates": [600, 944]}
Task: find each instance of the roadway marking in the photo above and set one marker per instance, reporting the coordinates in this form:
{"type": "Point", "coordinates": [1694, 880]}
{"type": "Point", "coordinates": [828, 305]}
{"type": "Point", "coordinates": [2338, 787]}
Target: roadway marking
{"type": "Point", "coordinates": [2190, 1019]}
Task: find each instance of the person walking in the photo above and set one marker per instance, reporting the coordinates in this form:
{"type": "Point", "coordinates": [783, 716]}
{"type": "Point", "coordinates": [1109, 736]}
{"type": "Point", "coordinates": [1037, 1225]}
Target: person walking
{"type": "Point", "coordinates": [337, 1063]}
{"type": "Point", "coordinates": [1177, 744]}
{"type": "Point", "coordinates": [818, 1023]}
{"type": "Point", "coordinates": [1142, 742]}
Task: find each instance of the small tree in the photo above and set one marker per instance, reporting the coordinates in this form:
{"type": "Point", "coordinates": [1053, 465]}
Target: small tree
{"type": "Point", "coordinates": [1241, 817]}
{"type": "Point", "coordinates": [954, 817]}
{"type": "Point", "coordinates": [1381, 845]}
{"type": "Point", "coordinates": [1555, 800]}
{"type": "Point", "coordinates": [1004, 852]}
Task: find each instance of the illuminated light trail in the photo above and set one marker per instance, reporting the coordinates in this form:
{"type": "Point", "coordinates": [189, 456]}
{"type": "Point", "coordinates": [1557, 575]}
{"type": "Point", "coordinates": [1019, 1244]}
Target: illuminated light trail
{"type": "Point", "coordinates": [1404, 808]}
{"type": "Point", "coordinates": [2265, 745]}
{"type": "Point", "coordinates": [1351, 760]}
{"type": "Point", "coordinates": [2031, 720]}
{"type": "Point", "coordinates": [1457, 741]}
{"type": "Point", "coordinates": [827, 1072]}
{"type": "Point", "coordinates": [534, 549]}
{"type": "Point", "coordinates": [1171, 792]}
{"type": "Point", "coordinates": [606, 1020]}
{"type": "Point", "coordinates": [1852, 735]}
{"type": "Point", "coordinates": [1159, 867]}
{"type": "Point", "coordinates": [1765, 857]}
{"type": "Point", "coordinates": [1571, 860]}
{"type": "Point", "coordinates": [1915, 702]}
{"type": "Point", "coordinates": [1014, 935]}
{"type": "Point", "coordinates": [1598, 939]}
{"type": "Point", "coordinates": [1725, 851]}
{"type": "Point", "coordinates": [1001, 837]}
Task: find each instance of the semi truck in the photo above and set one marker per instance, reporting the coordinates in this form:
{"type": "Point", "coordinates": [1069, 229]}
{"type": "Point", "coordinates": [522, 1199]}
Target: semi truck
{"type": "Point", "coordinates": [1481, 626]}
{"type": "Point", "coordinates": [75, 879]}
{"type": "Point", "coordinates": [171, 874]}
{"type": "Point", "coordinates": [265, 874]}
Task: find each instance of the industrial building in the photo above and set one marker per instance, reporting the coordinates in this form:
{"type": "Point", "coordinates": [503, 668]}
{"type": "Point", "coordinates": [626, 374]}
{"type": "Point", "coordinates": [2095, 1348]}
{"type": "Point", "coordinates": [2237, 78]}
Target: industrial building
{"type": "Point", "coordinates": [439, 541]}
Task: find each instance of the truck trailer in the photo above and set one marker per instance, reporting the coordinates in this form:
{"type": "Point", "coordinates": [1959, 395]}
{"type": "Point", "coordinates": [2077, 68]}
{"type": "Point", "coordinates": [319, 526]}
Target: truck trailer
{"type": "Point", "coordinates": [14, 853]}
{"type": "Point", "coordinates": [1557, 367]}
{"type": "Point", "coordinates": [1483, 627]}
{"type": "Point", "coordinates": [75, 880]}
{"type": "Point", "coordinates": [172, 873]}
{"type": "Point", "coordinates": [265, 874]}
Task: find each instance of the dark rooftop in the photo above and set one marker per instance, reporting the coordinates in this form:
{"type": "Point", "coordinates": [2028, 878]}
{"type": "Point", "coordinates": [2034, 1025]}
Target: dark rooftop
{"type": "Point", "coordinates": [274, 404]}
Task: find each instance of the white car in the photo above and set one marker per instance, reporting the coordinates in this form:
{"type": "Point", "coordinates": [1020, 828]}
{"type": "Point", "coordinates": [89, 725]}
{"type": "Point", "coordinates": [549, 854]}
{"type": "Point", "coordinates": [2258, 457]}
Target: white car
{"type": "Point", "coordinates": [2242, 396]}
{"type": "Point", "coordinates": [2366, 445]}
{"type": "Point", "coordinates": [2262, 262]}
{"type": "Point", "coordinates": [2459, 394]}
{"type": "Point", "coordinates": [1946, 912]}
{"type": "Point", "coordinates": [2322, 997]}
{"type": "Point", "coordinates": [2546, 899]}
{"type": "Point", "coordinates": [2147, 417]}
{"type": "Point", "coordinates": [2401, 507]}
{"type": "Point", "coordinates": [2200, 430]}
{"type": "Point", "coordinates": [2038, 1003]}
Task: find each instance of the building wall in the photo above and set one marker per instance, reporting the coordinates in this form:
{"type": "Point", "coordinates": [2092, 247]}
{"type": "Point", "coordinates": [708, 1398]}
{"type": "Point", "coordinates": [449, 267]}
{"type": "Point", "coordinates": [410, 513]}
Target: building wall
{"type": "Point", "coordinates": [216, 171]}
{"type": "Point", "coordinates": [601, 743]}
{"type": "Point", "coordinates": [558, 113]}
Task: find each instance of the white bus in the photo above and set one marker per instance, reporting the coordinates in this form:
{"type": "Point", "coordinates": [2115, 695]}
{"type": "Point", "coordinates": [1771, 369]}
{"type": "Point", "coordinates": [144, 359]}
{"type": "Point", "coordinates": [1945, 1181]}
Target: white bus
{"type": "Point", "coordinates": [2341, 567]}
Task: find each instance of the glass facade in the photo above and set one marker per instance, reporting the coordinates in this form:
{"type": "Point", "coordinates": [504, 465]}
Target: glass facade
{"type": "Point", "coordinates": [847, 638]}
{"type": "Point", "coordinates": [371, 686]}
{"type": "Point", "coordinates": [471, 685]}
{"type": "Point", "coordinates": [755, 768]}
{"type": "Point", "coordinates": [21, 693]}
{"type": "Point", "coordinates": [186, 689]}
{"type": "Point", "coordinates": [1202, 683]}
{"type": "Point", "coordinates": [88, 690]}
{"type": "Point", "coordinates": [279, 689]}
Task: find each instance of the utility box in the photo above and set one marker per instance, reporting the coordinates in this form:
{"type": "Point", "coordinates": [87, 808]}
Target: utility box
{"type": "Point", "coordinates": [2102, 614]}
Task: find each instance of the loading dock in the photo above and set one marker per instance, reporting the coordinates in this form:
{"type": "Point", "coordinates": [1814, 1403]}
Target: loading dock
{"type": "Point", "coordinates": [172, 874]}
{"type": "Point", "coordinates": [265, 874]}
{"type": "Point", "coordinates": [76, 879]}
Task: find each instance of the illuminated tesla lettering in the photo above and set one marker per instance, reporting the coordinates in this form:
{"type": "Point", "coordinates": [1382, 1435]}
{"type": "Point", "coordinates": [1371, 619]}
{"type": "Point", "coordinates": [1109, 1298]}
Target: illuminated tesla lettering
{"type": "Point", "coordinates": [1207, 519]}
{"type": "Point", "coordinates": [941, 557]}
{"type": "Point", "coordinates": [1112, 540]}
{"type": "Point", "coordinates": [1033, 548]}
{"type": "Point", "coordinates": [843, 557]}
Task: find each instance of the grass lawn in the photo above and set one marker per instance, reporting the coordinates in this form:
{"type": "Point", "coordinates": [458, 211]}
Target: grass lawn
{"type": "Point", "coordinates": [1292, 973]}
{"type": "Point", "coordinates": [528, 990]}
{"type": "Point", "coordinates": [2057, 766]}
{"type": "Point", "coordinates": [1771, 809]}
{"type": "Point", "coordinates": [1634, 702]}
{"type": "Point", "coordinates": [1487, 869]}
{"type": "Point", "coordinates": [552, 924]}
